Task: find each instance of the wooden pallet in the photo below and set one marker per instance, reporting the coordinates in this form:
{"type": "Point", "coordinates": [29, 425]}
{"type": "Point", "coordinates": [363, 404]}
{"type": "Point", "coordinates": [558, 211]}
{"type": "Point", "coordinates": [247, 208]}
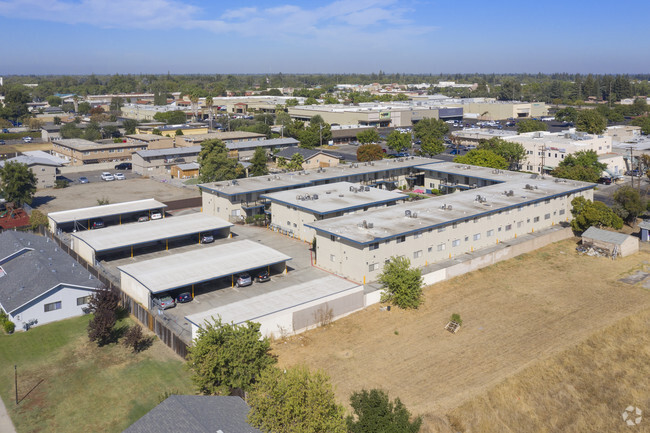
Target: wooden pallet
{"type": "Point", "coordinates": [452, 327]}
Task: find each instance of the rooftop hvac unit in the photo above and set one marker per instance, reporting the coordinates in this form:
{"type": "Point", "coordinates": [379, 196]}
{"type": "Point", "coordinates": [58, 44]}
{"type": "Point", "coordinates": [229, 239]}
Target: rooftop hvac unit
{"type": "Point", "coordinates": [298, 197]}
{"type": "Point", "coordinates": [367, 188]}
{"type": "Point", "coordinates": [449, 207]}
{"type": "Point", "coordinates": [314, 197]}
{"type": "Point", "coordinates": [443, 207]}
{"type": "Point", "coordinates": [351, 188]}
{"type": "Point", "coordinates": [365, 224]}
{"type": "Point", "coordinates": [371, 225]}
{"type": "Point", "coordinates": [414, 215]}
{"type": "Point", "coordinates": [269, 179]}
{"type": "Point", "coordinates": [407, 213]}
{"type": "Point", "coordinates": [528, 186]}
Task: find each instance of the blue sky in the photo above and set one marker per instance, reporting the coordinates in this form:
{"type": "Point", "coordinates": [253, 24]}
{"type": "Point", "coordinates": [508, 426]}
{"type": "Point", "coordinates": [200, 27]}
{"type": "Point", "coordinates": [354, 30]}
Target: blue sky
{"type": "Point", "coordinates": [408, 36]}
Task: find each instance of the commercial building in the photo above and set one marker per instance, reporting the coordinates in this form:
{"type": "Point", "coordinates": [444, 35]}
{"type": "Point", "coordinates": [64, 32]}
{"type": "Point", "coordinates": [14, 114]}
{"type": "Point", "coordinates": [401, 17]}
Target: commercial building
{"type": "Point", "coordinates": [291, 210]}
{"type": "Point", "coordinates": [473, 136]}
{"type": "Point", "coordinates": [82, 152]}
{"type": "Point", "coordinates": [490, 109]}
{"type": "Point", "coordinates": [125, 239]}
{"type": "Point", "coordinates": [623, 133]}
{"type": "Point", "coordinates": [237, 199]}
{"type": "Point", "coordinates": [502, 206]}
{"type": "Point", "coordinates": [39, 283]}
{"type": "Point", "coordinates": [43, 165]}
{"type": "Point", "coordinates": [110, 214]}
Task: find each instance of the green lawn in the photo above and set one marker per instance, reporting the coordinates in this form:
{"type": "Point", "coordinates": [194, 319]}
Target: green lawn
{"type": "Point", "coordinates": [78, 387]}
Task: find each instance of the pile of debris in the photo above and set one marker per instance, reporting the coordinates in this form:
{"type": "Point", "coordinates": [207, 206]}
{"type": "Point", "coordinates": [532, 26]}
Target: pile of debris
{"type": "Point", "coordinates": [594, 251]}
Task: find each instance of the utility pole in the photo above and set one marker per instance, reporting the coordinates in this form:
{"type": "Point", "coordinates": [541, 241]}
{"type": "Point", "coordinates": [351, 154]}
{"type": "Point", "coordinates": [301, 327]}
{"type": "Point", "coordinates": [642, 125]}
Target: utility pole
{"type": "Point", "coordinates": [16, 382]}
{"type": "Point", "coordinates": [543, 159]}
{"type": "Point", "coordinates": [320, 133]}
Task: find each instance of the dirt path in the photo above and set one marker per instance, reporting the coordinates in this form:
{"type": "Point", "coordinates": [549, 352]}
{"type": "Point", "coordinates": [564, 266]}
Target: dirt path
{"type": "Point", "coordinates": [514, 314]}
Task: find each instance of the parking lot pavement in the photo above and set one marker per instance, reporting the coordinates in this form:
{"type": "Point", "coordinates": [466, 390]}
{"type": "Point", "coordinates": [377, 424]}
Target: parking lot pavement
{"type": "Point", "coordinates": [95, 176]}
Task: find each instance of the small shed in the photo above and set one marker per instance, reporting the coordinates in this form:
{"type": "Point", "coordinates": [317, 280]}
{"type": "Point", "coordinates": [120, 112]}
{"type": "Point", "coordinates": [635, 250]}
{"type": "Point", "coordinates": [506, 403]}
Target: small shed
{"type": "Point", "coordinates": [645, 231]}
{"type": "Point", "coordinates": [185, 171]}
{"type": "Point", "coordinates": [617, 244]}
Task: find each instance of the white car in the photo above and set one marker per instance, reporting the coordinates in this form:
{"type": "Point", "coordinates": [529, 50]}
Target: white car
{"type": "Point", "coordinates": [27, 139]}
{"type": "Point", "coordinates": [107, 176]}
{"type": "Point", "coordinates": [119, 176]}
{"type": "Point", "coordinates": [156, 215]}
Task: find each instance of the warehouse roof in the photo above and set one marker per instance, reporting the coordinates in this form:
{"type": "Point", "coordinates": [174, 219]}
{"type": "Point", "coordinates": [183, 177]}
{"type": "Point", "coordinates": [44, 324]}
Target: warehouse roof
{"type": "Point", "coordinates": [86, 213]}
{"type": "Point", "coordinates": [205, 264]}
{"type": "Point", "coordinates": [335, 197]}
{"type": "Point", "coordinates": [263, 305]}
{"type": "Point", "coordinates": [125, 235]}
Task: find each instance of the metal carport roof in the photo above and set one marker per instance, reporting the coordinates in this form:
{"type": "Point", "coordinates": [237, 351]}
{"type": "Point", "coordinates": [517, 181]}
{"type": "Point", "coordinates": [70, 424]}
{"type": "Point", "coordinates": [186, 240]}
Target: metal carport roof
{"type": "Point", "coordinates": [125, 235]}
{"type": "Point", "coordinates": [205, 264]}
{"type": "Point", "coordinates": [87, 213]}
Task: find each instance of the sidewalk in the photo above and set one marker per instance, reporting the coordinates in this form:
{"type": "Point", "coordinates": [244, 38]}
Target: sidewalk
{"type": "Point", "coordinates": [6, 426]}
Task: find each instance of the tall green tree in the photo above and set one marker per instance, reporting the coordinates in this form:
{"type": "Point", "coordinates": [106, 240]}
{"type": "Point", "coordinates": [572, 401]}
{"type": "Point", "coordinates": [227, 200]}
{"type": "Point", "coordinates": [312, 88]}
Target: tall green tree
{"type": "Point", "coordinates": [171, 117]}
{"type": "Point", "coordinates": [582, 165]}
{"type": "Point", "coordinates": [591, 122]}
{"type": "Point", "coordinates": [103, 305]}
{"type": "Point", "coordinates": [430, 129]}
{"type": "Point", "coordinates": [295, 164]}
{"type": "Point", "coordinates": [644, 123]}
{"type": "Point", "coordinates": [369, 152]}
{"type": "Point", "coordinates": [628, 204]}
{"type": "Point", "coordinates": [402, 285]}
{"type": "Point", "coordinates": [513, 153]}
{"type": "Point", "coordinates": [92, 132]}
{"type": "Point", "coordinates": [568, 114]}
{"type": "Point", "coordinates": [228, 356]}
{"type": "Point", "coordinates": [215, 165]}
{"type": "Point", "coordinates": [54, 101]}
{"type": "Point", "coordinates": [258, 161]}
{"type": "Point", "coordinates": [84, 108]}
{"type": "Point", "coordinates": [295, 400]}
{"type": "Point", "coordinates": [432, 146]}
{"type": "Point", "coordinates": [587, 213]}
{"type": "Point", "coordinates": [17, 183]}
{"type": "Point", "coordinates": [531, 125]}
{"type": "Point", "coordinates": [70, 130]}
{"type": "Point", "coordinates": [375, 413]}
{"type": "Point", "coordinates": [368, 136]}
{"type": "Point", "coordinates": [510, 90]}
{"type": "Point", "coordinates": [483, 158]}
{"type": "Point", "coordinates": [398, 141]}
{"type": "Point", "coordinates": [129, 126]}
{"type": "Point", "coordinates": [15, 103]}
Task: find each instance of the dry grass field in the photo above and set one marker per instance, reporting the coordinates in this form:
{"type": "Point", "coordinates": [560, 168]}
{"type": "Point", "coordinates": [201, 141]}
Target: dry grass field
{"type": "Point", "coordinates": [517, 315]}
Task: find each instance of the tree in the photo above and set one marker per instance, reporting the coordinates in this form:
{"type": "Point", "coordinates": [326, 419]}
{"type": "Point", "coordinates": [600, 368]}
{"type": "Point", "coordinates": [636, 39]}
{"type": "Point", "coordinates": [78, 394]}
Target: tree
{"type": "Point", "coordinates": [295, 164]}
{"type": "Point", "coordinates": [311, 101]}
{"type": "Point", "coordinates": [209, 102]}
{"type": "Point", "coordinates": [281, 116]}
{"type": "Point", "coordinates": [92, 132]}
{"type": "Point", "coordinates": [591, 122]}
{"type": "Point", "coordinates": [587, 213]}
{"type": "Point", "coordinates": [179, 132]}
{"type": "Point", "coordinates": [295, 128]}
{"type": "Point", "coordinates": [258, 161]}
{"type": "Point", "coordinates": [34, 124]}
{"type": "Point", "coordinates": [644, 123]}
{"type": "Point", "coordinates": [83, 108]}
{"type": "Point", "coordinates": [228, 356]}
{"type": "Point", "coordinates": [568, 114]}
{"type": "Point", "coordinates": [38, 219]}
{"type": "Point", "coordinates": [369, 152]}
{"type": "Point", "coordinates": [134, 339]}
{"type": "Point", "coordinates": [215, 164]}
{"type": "Point", "coordinates": [171, 117]}
{"type": "Point", "coordinates": [531, 125]}
{"type": "Point", "coordinates": [17, 183]}
{"type": "Point", "coordinates": [295, 400]}
{"type": "Point", "coordinates": [375, 413]}
{"type": "Point", "coordinates": [70, 130]}
{"type": "Point", "coordinates": [510, 90]}
{"type": "Point", "coordinates": [628, 204]}
{"type": "Point", "coordinates": [430, 129]}
{"type": "Point", "coordinates": [292, 102]}
{"type": "Point", "coordinates": [398, 141]}
{"type": "Point", "coordinates": [103, 305]}
{"type": "Point", "coordinates": [582, 165]}
{"type": "Point", "coordinates": [432, 147]}
{"type": "Point", "coordinates": [368, 136]}
{"type": "Point", "coordinates": [513, 153]}
{"type": "Point", "coordinates": [116, 103]}
{"type": "Point", "coordinates": [483, 158]}
{"type": "Point", "coordinates": [129, 126]}
{"type": "Point", "coordinates": [56, 120]}
{"type": "Point", "coordinates": [402, 284]}
{"type": "Point", "coordinates": [54, 101]}
{"type": "Point", "coordinates": [15, 104]}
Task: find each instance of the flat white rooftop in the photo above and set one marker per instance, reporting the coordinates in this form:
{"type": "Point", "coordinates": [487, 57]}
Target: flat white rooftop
{"type": "Point", "coordinates": [254, 308]}
{"type": "Point", "coordinates": [86, 213]}
{"type": "Point", "coordinates": [334, 197]}
{"type": "Point", "coordinates": [204, 264]}
{"type": "Point", "coordinates": [125, 235]}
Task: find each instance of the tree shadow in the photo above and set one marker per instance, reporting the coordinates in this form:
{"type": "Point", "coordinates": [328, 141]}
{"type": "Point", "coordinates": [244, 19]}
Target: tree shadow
{"type": "Point", "coordinates": [38, 201]}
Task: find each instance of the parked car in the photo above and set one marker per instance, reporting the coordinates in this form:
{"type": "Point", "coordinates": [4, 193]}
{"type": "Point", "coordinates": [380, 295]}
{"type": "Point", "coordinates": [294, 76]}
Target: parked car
{"type": "Point", "coordinates": [262, 276]}
{"type": "Point", "coordinates": [83, 179]}
{"type": "Point", "coordinates": [106, 176]}
{"type": "Point", "coordinates": [207, 238]}
{"type": "Point", "coordinates": [184, 297]}
{"type": "Point", "coordinates": [243, 280]}
{"type": "Point", "coordinates": [166, 302]}
{"type": "Point", "coordinates": [156, 215]}
{"type": "Point", "coordinates": [2, 142]}
{"type": "Point", "coordinates": [124, 166]}
{"type": "Point", "coordinates": [97, 224]}
{"type": "Point", "coordinates": [143, 218]}
{"type": "Point", "coordinates": [119, 176]}
{"type": "Point", "coordinates": [27, 139]}
{"type": "Point", "coordinates": [456, 151]}
{"type": "Point", "coordinates": [402, 154]}
{"type": "Point", "coordinates": [605, 180]}
{"type": "Point", "coordinates": [5, 131]}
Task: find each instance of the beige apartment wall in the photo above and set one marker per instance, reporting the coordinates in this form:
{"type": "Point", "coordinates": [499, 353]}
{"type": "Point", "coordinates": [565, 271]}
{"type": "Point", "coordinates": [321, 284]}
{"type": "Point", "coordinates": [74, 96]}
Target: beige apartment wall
{"type": "Point", "coordinates": [320, 161]}
{"type": "Point", "coordinates": [45, 175]}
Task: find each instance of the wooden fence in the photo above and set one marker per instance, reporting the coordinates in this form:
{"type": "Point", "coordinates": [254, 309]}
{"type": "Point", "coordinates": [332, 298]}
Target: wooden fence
{"type": "Point", "coordinates": [184, 203]}
{"type": "Point", "coordinates": [154, 323]}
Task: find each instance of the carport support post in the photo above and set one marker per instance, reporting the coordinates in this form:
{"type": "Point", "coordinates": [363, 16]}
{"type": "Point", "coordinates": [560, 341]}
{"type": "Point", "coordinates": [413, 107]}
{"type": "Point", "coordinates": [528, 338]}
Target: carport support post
{"type": "Point", "coordinates": [232, 277]}
{"type": "Point", "coordinates": [131, 251]}
{"type": "Point", "coordinates": [166, 244]}
{"type": "Point", "coordinates": [120, 219]}
{"type": "Point", "coordinates": [192, 291]}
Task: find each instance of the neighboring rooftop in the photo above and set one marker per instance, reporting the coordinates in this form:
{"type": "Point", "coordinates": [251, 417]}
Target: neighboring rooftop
{"type": "Point", "coordinates": [86, 213]}
{"type": "Point", "coordinates": [32, 265]}
{"type": "Point", "coordinates": [224, 136]}
{"type": "Point", "coordinates": [306, 153]}
{"type": "Point", "coordinates": [169, 151]}
{"type": "Point", "coordinates": [44, 155]}
{"type": "Point", "coordinates": [204, 264]}
{"type": "Point", "coordinates": [31, 160]}
{"type": "Point", "coordinates": [81, 144]}
{"type": "Point", "coordinates": [605, 236]}
{"type": "Point", "coordinates": [263, 143]}
{"type": "Point", "coordinates": [334, 197]}
{"type": "Point", "coordinates": [196, 414]}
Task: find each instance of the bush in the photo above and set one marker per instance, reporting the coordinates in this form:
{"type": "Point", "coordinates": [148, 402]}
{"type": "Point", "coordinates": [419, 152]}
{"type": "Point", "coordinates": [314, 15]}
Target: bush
{"type": "Point", "coordinates": [402, 284]}
{"type": "Point", "coordinates": [134, 338]}
{"type": "Point", "coordinates": [456, 318]}
{"type": "Point", "coordinates": [9, 326]}
{"type": "Point", "coordinates": [61, 183]}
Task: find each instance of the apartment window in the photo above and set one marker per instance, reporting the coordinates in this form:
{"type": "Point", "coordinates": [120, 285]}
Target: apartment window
{"type": "Point", "coordinates": [400, 239]}
{"type": "Point", "coordinates": [417, 254]}
{"type": "Point", "coordinates": [490, 233]}
{"type": "Point", "coordinates": [289, 225]}
{"type": "Point", "coordinates": [561, 211]}
{"type": "Point", "coordinates": [53, 306]}
{"type": "Point", "coordinates": [332, 237]}
{"type": "Point", "coordinates": [547, 201]}
{"type": "Point", "coordinates": [547, 216]}
{"type": "Point", "coordinates": [455, 243]}
{"type": "Point", "coordinates": [441, 247]}
{"type": "Point", "coordinates": [466, 238]}
{"type": "Point", "coordinates": [508, 227]}
{"type": "Point", "coordinates": [373, 267]}
{"type": "Point", "coordinates": [441, 229]}
{"type": "Point", "coordinates": [475, 220]}
{"type": "Point", "coordinates": [519, 224]}
{"type": "Point", "coordinates": [536, 204]}
{"type": "Point", "coordinates": [332, 258]}
{"type": "Point", "coordinates": [454, 225]}
{"type": "Point", "coordinates": [429, 249]}
{"type": "Point", "coordinates": [83, 300]}
{"type": "Point", "coordinates": [417, 235]}
{"type": "Point", "coordinates": [536, 219]}
{"type": "Point", "coordinates": [519, 208]}
{"type": "Point", "coordinates": [477, 236]}
{"type": "Point", "coordinates": [374, 246]}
